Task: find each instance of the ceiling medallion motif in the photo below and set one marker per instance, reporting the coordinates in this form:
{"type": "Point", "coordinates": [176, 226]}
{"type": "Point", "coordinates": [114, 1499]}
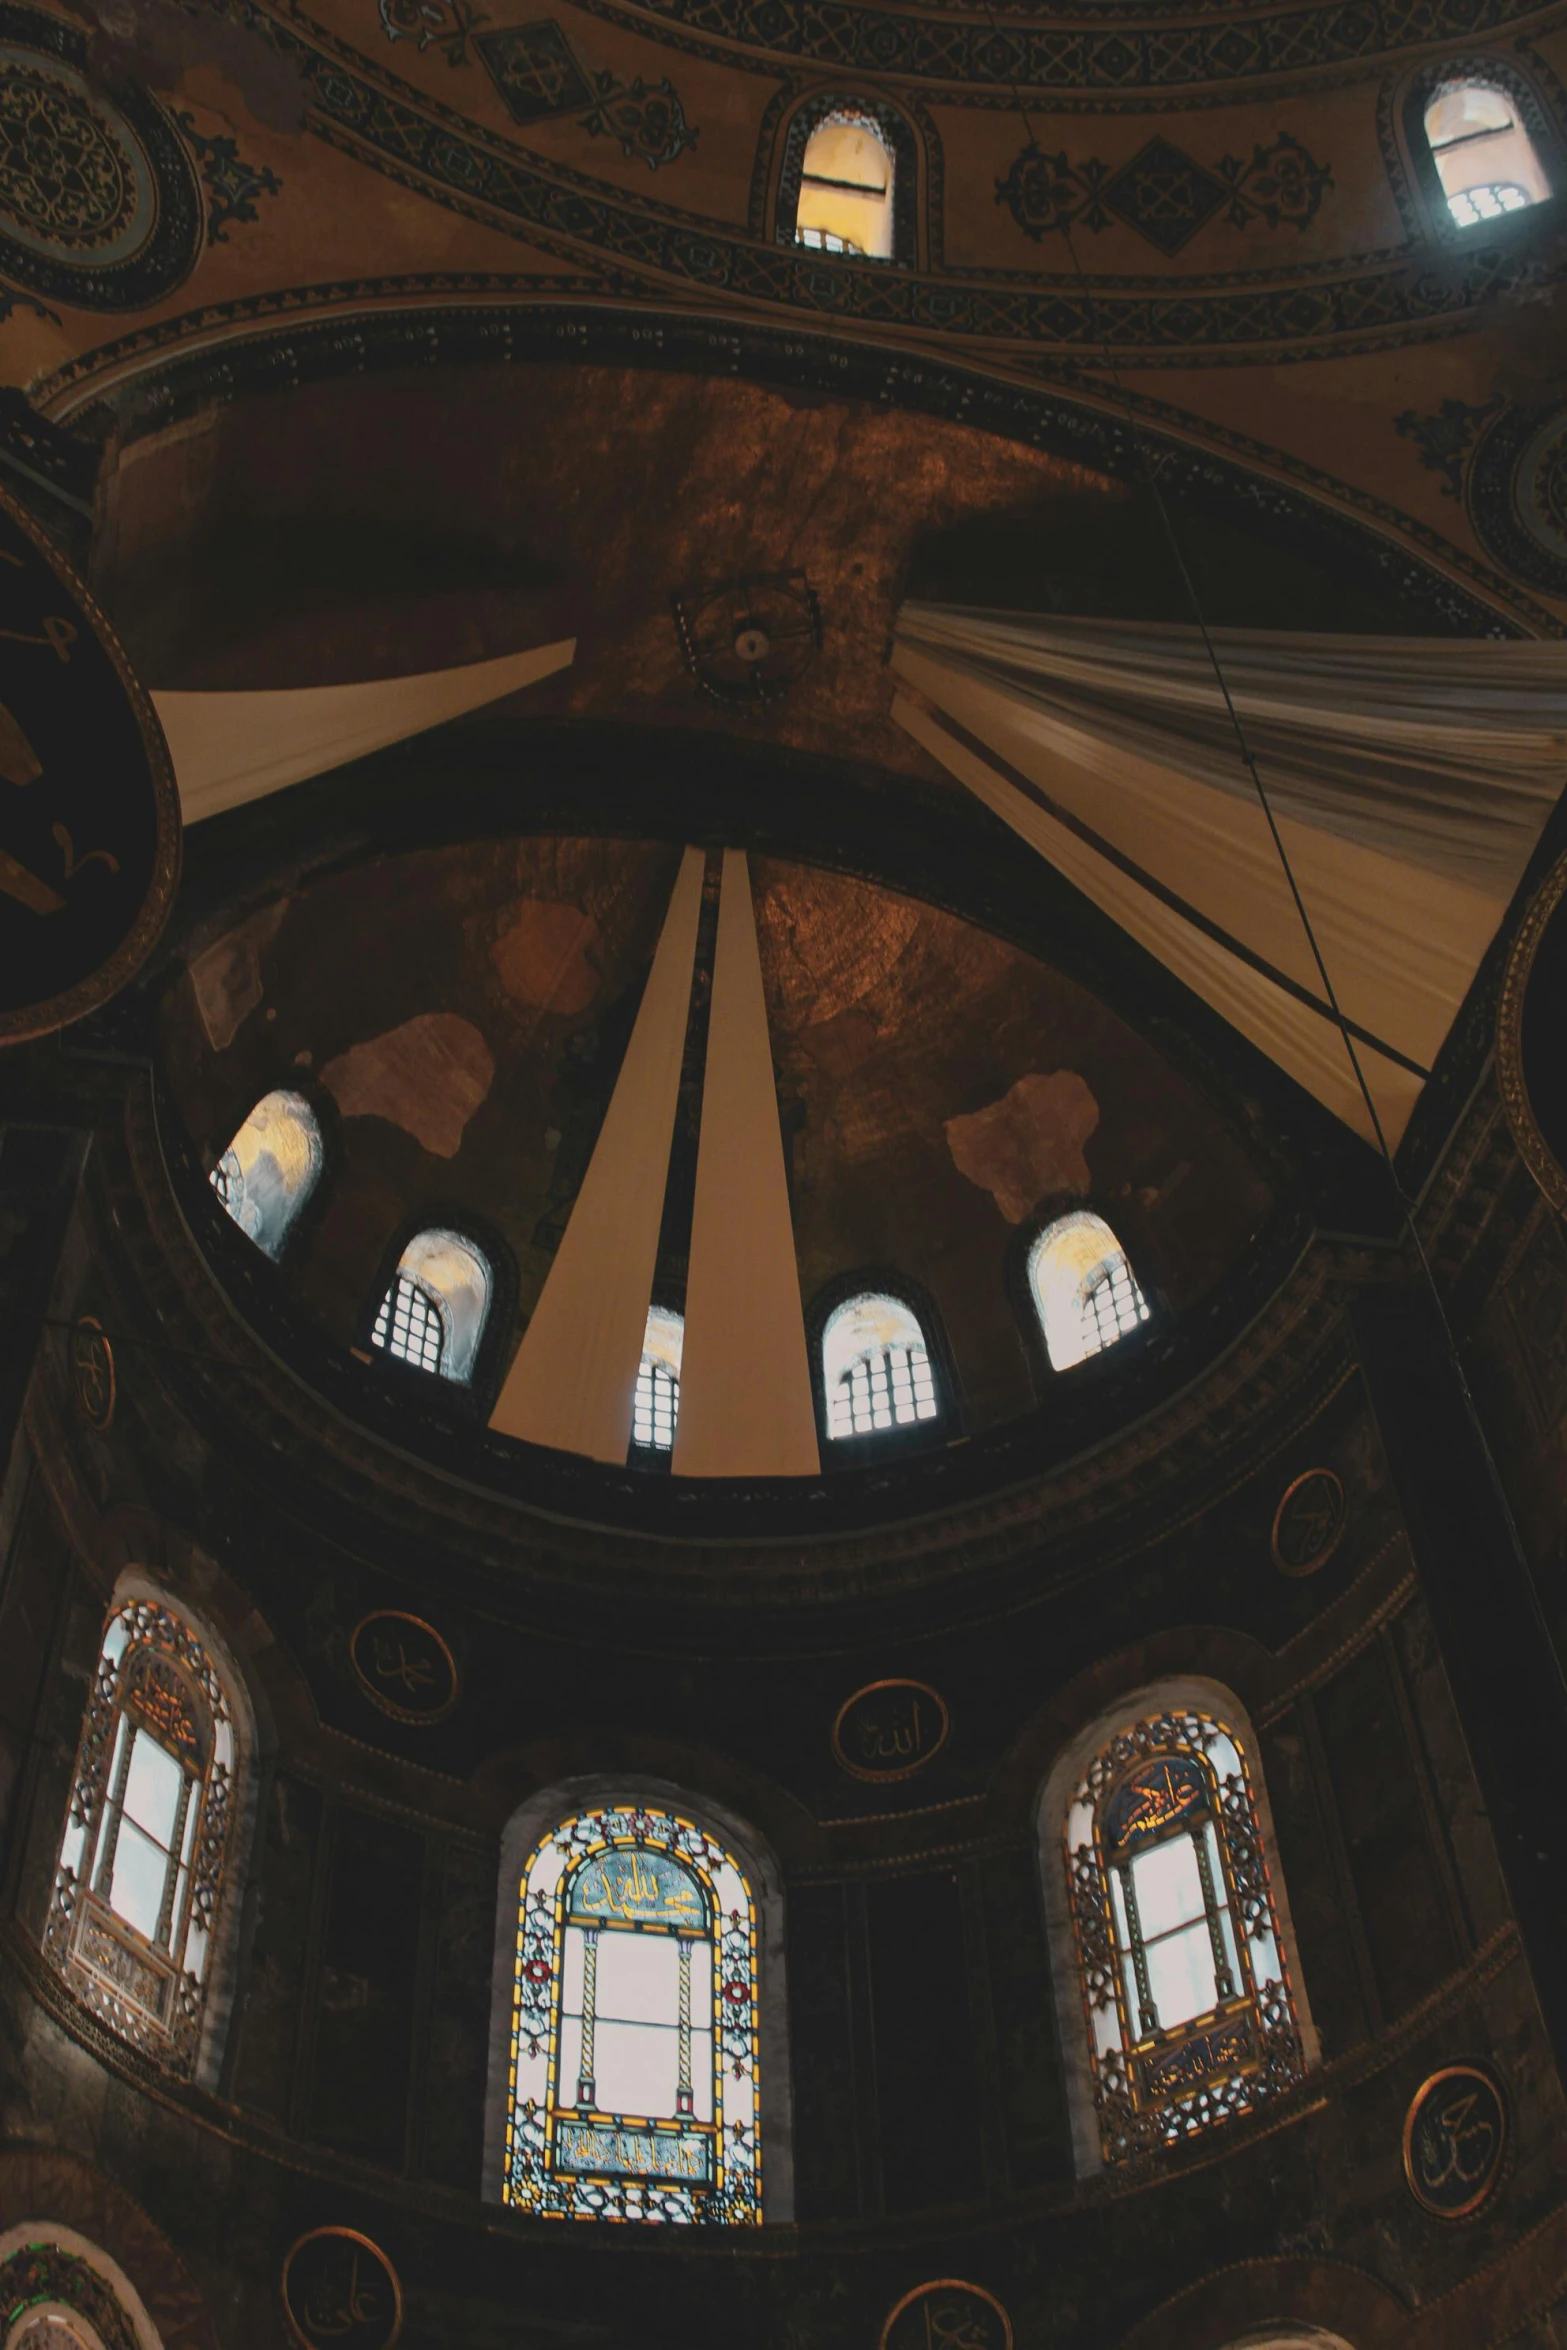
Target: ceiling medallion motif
{"type": "Point", "coordinates": [98, 206]}
{"type": "Point", "coordinates": [947, 2315]}
{"type": "Point", "coordinates": [92, 1372]}
{"type": "Point", "coordinates": [889, 1730]}
{"type": "Point", "coordinates": [404, 1667]}
{"type": "Point", "coordinates": [1509, 465]}
{"type": "Point", "coordinates": [1309, 1523]}
{"type": "Point", "coordinates": [1455, 2141]}
{"type": "Point", "coordinates": [340, 2292]}
{"type": "Point", "coordinates": [1162, 193]}
{"type": "Point", "coordinates": [746, 641]}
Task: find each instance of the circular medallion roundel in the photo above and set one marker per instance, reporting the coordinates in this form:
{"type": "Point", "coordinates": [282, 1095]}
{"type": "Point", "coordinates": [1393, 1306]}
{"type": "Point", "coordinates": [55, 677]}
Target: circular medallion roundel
{"type": "Point", "coordinates": [890, 1730]}
{"type": "Point", "coordinates": [340, 2292]}
{"type": "Point", "coordinates": [99, 206]}
{"type": "Point", "coordinates": [92, 1372]}
{"type": "Point", "coordinates": [1517, 494]}
{"type": "Point", "coordinates": [1455, 2141]}
{"type": "Point", "coordinates": [947, 2315]}
{"type": "Point", "coordinates": [404, 1667]}
{"type": "Point", "coordinates": [1309, 1523]}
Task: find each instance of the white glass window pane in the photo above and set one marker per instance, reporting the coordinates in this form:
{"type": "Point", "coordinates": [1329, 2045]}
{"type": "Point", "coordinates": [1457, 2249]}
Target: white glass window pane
{"type": "Point", "coordinates": [1180, 1975]}
{"type": "Point", "coordinates": [223, 1746]}
{"type": "Point", "coordinates": [571, 1972]}
{"type": "Point", "coordinates": [1266, 1964]}
{"type": "Point", "coordinates": [114, 1640]}
{"type": "Point", "coordinates": [71, 1845]}
{"type": "Point", "coordinates": [702, 1985]}
{"type": "Point", "coordinates": [635, 2067]}
{"type": "Point", "coordinates": [187, 1841]}
{"type": "Point", "coordinates": [196, 1952]}
{"type": "Point", "coordinates": [152, 1788]}
{"type": "Point", "coordinates": [140, 1872]}
{"type": "Point", "coordinates": [570, 2060]}
{"type": "Point", "coordinates": [1118, 1904]}
{"type": "Point", "coordinates": [1168, 1886]}
{"type": "Point", "coordinates": [638, 1978]}
{"type": "Point", "coordinates": [702, 2075]}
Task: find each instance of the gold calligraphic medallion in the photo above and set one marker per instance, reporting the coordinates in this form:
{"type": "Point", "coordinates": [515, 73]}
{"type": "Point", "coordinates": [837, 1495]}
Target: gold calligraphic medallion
{"type": "Point", "coordinates": [340, 2292]}
{"type": "Point", "coordinates": [89, 816]}
{"type": "Point", "coordinates": [947, 2315]}
{"type": "Point", "coordinates": [889, 1730]}
{"type": "Point", "coordinates": [1531, 1027]}
{"type": "Point", "coordinates": [1309, 1523]}
{"type": "Point", "coordinates": [404, 1666]}
{"type": "Point", "coordinates": [92, 1372]}
{"type": "Point", "coordinates": [1456, 2141]}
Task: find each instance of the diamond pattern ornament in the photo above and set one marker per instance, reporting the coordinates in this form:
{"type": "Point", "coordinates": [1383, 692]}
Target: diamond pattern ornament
{"type": "Point", "coordinates": [1164, 195]}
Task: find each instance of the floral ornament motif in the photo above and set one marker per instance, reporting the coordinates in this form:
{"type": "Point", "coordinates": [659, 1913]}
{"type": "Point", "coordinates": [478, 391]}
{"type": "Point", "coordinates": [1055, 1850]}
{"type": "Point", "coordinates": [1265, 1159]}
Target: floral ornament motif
{"type": "Point", "coordinates": [432, 24]}
{"type": "Point", "coordinates": [232, 185]}
{"type": "Point", "coordinates": [648, 121]}
{"type": "Point", "coordinates": [1162, 193]}
{"type": "Point", "coordinates": [1445, 439]}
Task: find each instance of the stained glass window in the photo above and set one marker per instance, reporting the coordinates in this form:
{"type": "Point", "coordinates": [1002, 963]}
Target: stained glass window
{"type": "Point", "coordinates": [656, 1405]}
{"type": "Point", "coordinates": [634, 2071]}
{"type": "Point", "coordinates": [1186, 1996]}
{"type": "Point", "coordinates": [1484, 157]}
{"type": "Point", "coordinates": [876, 1367]}
{"type": "Point", "coordinates": [434, 1311]}
{"type": "Point", "coordinates": [270, 1169]}
{"type": "Point", "coordinates": [142, 1859]}
{"type": "Point", "coordinates": [846, 189]}
{"type": "Point", "coordinates": [1084, 1290]}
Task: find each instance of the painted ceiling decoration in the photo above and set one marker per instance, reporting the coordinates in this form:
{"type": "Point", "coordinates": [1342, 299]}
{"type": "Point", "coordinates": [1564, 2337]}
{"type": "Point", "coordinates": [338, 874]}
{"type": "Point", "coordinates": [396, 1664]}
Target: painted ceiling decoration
{"type": "Point", "coordinates": [1411, 781]}
{"type": "Point", "coordinates": [231, 748]}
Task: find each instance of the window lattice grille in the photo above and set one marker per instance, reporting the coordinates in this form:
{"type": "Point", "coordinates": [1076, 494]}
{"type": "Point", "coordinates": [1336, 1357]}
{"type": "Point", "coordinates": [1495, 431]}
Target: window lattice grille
{"type": "Point", "coordinates": [411, 1325]}
{"type": "Point", "coordinates": [655, 1407]}
{"type": "Point", "coordinates": [1113, 1305]}
{"type": "Point", "coordinates": [1488, 202]}
{"type": "Point", "coordinates": [888, 1387]}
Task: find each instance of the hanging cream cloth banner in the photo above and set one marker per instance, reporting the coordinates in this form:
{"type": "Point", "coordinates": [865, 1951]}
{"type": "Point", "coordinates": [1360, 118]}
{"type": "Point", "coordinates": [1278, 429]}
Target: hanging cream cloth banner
{"type": "Point", "coordinates": [573, 1380]}
{"type": "Point", "coordinates": [228, 749]}
{"type": "Point", "coordinates": [745, 1391]}
{"type": "Point", "coordinates": [1411, 779]}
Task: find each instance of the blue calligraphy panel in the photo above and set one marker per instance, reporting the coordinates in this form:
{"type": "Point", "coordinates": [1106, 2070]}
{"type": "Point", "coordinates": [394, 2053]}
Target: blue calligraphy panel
{"type": "Point", "coordinates": [637, 1888]}
{"type": "Point", "coordinates": [1157, 1797]}
{"type": "Point", "coordinates": [614, 2150]}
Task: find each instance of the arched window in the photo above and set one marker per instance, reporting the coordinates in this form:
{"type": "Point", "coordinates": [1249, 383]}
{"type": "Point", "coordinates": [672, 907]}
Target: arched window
{"type": "Point", "coordinates": [846, 188]}
{"type": "Point", "coordinates": [59, 2291]}
{"type": "Point", "coordinates": [1186, 1999]}
{"type": "Point", "coordinates": [1083, 1287]}
{"type": "Point", "coordinates": [633, 2078]}
{"type": "Point", "coordinates": [144, 1859]}
{"type": "Point", "coordinates": [270, 1169]}
{"type": "Point", "coordinates": [434, 1310]}
{"type": "Point", "coordinates": [876, 1367]}
{"type": "Point", "coordinates": [656, 1406]}
{"type": "Point", "coordinates": [1484, 157]}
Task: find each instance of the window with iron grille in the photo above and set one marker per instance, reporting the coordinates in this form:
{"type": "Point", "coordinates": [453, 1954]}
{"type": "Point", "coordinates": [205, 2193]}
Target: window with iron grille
{"type": "Point", "coordinates": [1084, 1290]}
{"type": "Point", "coordinates": [410, 1324]}
{"type": "Point", "coordinates": [270, 1169]}
{"type": "Point", "coordinates": [877, 1373]}
{"type": "Point", "coordinates": [1484, 157]}
{"type": "Point", "coordinates": [655, 1406]}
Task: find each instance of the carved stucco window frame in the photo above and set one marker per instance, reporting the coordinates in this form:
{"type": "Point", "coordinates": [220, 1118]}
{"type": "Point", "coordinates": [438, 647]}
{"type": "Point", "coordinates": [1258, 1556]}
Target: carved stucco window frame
{"type": "Point", "coordinates": [1411, 166]}
{"type": "Point", "coordinates": [193, 2047]}
{"type": "Point", "coordinates": [533, 1820]}
{"type": "Point", "coordinates": [1194, 1692]}
{"type": "Point", "coordinates": [906, 142]}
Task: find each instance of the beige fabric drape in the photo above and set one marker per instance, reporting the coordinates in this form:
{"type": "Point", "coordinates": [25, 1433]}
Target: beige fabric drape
{"type": "Point", "coordinates": [228, 749]}
{"type": "Point", "coordinates": [574, 1377]}
{"type": "Point", "coordinates": [1410, 781]}
{"type": "Point", "coordinates": [745, 1391]}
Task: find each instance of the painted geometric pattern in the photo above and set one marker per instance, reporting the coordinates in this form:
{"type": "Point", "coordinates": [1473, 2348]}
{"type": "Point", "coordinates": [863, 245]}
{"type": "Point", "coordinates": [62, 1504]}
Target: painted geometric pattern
{"type": "Point", "coordinates": [534, 70]}
{"type": "Point", "coordinates": [837, 34]}
{"type": "Point", "coordinates": [1162, 193]}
